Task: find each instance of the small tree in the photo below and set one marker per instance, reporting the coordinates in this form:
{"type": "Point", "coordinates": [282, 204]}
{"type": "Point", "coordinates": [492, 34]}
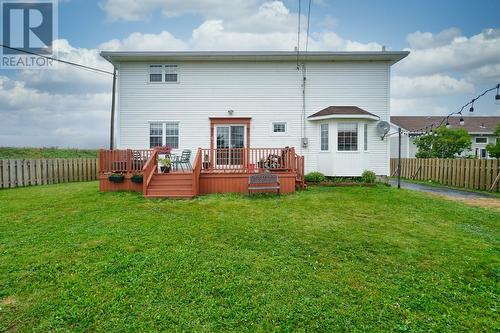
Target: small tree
{"type": "Point", "coordinates": [494, 149]}
{"type": "Point", "coordinates": [444, 143]}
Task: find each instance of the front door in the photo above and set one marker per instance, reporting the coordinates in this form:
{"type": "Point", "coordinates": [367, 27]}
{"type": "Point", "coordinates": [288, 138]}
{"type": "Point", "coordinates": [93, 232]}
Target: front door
{"type": "Point", "coordinates": [230, 139]}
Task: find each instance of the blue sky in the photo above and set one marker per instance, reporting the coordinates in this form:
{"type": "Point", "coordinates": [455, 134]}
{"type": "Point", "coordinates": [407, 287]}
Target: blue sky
{"type": "Point", "coordinates": [455, 53]}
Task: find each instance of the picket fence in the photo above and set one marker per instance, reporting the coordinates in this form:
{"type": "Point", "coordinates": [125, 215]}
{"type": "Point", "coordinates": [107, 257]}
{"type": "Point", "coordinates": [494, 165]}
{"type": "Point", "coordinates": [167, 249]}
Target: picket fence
{"type": "Point", "coordinates": [17, 173]}
{"type": "Point", "coordinates": [472, 174]}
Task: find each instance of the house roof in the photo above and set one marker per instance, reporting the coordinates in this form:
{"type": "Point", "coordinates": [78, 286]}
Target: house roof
{"type": "Point", "coordinates": [388, 56]}
{"type": "Point", "coordinates": [347, 111]}
{"type": "Point", "coordinates": [480, 125]}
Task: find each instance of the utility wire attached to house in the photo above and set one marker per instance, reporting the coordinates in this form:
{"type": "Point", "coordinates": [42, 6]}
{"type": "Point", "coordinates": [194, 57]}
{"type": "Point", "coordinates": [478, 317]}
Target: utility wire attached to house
{"type": "Point", "coordinates": [87, 68]}
{"type": "Point", "coordinates": [84, 67]}
{"type": "Point", "coordinates": [298, 38]}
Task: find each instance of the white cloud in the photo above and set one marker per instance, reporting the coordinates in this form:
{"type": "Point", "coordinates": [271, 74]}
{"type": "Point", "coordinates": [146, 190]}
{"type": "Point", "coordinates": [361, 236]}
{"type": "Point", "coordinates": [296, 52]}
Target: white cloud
{"type": "Point", "coordinates": [163, 41]}
{"type": "Point", "coordinates": [426, 40]}
{"type": "Point", "coordinates": [438, 54]}
{"type": "Point", "coordinates": [137, 10]}
{"type": "Point", "coordinates": [428, 86]}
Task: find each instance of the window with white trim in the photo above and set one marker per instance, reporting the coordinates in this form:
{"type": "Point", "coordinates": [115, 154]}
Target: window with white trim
{"type": "Point", "coordinates": [279, 127]}
{"type": "Point", "coordinates": [164, 134]}
{"type": "Point", "coordinates": [172, 134]}
{"type": "Point", "coordinates": [481, 139]}
{"type": "Point", "coordinates": [155, 73]}
{"type": "Point", "coordinates": [366, 136]}
{"type": "Point", "coordinates": [324, 137]}
{"type": "Point", "coordinates": [155, 135]}
{"type": "Point", "coordinates": [347, 135]}
{"type": "Point", "coordinates": [163, 73]}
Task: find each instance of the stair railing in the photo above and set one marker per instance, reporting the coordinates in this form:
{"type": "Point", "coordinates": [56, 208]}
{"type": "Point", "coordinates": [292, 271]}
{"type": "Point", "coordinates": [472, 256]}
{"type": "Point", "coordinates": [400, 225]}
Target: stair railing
{"type": "Point", "coordinates": [149, 170]}
{"type": "Point", "coordinates": [196, 173]}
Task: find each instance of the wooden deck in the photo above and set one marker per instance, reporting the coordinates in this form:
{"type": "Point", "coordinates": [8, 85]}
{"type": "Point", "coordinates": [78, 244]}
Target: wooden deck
{"type": "Point", "coordinates": [213, 171]}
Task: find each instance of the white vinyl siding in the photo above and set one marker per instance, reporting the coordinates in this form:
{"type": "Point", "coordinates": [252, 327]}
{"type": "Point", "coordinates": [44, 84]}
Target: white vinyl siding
{"type": "Point", "coordinates": [266, 92]}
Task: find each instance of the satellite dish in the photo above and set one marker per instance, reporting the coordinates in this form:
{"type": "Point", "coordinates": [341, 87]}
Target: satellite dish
{"type": "Point", "coordinates": [383, 128]}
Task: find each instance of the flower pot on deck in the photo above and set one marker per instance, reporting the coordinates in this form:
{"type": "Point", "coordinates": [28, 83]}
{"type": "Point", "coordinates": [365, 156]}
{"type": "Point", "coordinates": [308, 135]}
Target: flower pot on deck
{"type": "Point", "coordinates": [136, 179]}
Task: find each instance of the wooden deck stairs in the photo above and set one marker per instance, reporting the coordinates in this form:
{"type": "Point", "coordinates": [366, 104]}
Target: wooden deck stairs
{"type": "Point", "coordinates": [171, 185]}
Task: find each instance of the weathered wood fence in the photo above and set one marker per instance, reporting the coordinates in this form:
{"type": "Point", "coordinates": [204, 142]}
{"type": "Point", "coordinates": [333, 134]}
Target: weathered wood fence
{"type": "Point", "coordinates": [467, 173]}
{"type": "Point", "coordinates": [16, 173]}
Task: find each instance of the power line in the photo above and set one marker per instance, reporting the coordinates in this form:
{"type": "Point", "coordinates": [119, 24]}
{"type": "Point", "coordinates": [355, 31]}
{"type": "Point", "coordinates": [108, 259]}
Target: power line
{"type": "Point", "coordinates": [298, 38]}
{"type": "Point", "coordinates": [60, 60]}
{"type": "Point", "coordinates": [308, 19]}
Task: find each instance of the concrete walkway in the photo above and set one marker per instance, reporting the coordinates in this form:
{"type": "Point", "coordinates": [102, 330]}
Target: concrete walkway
{"type": "Point", "coordinates": [441, 190]}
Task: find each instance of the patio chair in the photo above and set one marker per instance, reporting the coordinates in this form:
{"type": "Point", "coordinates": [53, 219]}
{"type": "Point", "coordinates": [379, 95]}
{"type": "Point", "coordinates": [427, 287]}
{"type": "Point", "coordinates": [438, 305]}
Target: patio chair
{"type": "Point", "coordinates": [183, 160]}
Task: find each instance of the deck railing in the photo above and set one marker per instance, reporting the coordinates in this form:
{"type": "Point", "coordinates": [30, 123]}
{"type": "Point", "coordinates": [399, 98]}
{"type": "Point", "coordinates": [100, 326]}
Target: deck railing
{"type": "Point", "coordinates": [196, 172]}
{"type": "Point", "coordinates": [235, 160]}
{"type": "Point", "coordinates": [127, 160]}
{"type": "Point", "coordinates": [149, 169]}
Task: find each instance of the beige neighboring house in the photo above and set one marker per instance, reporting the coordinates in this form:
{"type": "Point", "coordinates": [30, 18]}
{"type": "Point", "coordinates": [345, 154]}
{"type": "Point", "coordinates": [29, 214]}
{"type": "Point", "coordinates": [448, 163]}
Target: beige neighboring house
{"type": "Point", "coordinates": [480, 129]}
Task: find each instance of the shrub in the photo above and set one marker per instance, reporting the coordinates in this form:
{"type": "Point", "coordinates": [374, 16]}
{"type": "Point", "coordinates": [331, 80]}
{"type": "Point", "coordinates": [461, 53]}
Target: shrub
{"type": "Point", "coordinates": [315, 177]}
{"type": "Point", "coordinates": [368, 177]}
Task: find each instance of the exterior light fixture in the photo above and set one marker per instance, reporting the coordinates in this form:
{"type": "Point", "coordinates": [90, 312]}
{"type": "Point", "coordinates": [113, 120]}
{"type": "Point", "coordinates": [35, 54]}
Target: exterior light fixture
{"type": "Point", "coordinates": [230, 111]}
{"type": "Point", "coordinates": [462, 122]}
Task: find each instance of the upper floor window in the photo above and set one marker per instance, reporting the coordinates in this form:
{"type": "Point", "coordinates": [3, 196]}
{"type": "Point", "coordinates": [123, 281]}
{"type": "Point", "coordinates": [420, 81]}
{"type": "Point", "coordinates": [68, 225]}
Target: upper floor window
{"type": "Point", "coordinates": [163, 73]}
{"type": "Point", "coordinates": [279, 127]}
{"type": "Point", "coordinates": [481, 140]}
{"type": "Point", "coordinates": [164, 134]}
{"type": "Point", "coordinates": [347, 137]}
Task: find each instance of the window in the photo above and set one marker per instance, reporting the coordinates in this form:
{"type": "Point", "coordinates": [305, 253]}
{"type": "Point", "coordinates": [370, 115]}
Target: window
{"type": "Point", "coordinates": [324, 137]}
{"type": "Point", "coordinates": [155, 73]}
{"type": "Point", "coordinates": [155, 135]}
{"type": "Point", "coordinates": [172, 135]}
{"type": "Point", "coordinates": [481, 140]}
{"type": "Point", "coordinates": [164, 134]}
{"type": "Point", "coordinates": [366, 136]}
{"type": "Point", "coordinates": [279, 127]}
{"type": "Point", "coordinates": [163, 73]}
{"type": "Point", "coordinates": [170, 73]}
{"type": "Point", "coordinates": [347, 137]}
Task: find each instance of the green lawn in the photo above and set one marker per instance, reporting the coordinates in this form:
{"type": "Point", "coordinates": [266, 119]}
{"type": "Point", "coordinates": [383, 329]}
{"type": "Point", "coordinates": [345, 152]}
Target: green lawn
{"type": "Point", "coordinates": [28, 153]}
{"type": "Point", "coordinates": [326, 259]}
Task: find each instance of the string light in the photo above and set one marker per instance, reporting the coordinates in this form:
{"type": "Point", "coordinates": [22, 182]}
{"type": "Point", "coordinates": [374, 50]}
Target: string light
{"type": "Point", "coordinates": [471, 109]}
{"type": "Point", "coordinates": [448, 122]}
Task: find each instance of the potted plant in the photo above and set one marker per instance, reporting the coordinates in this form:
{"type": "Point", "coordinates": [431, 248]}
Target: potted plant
{"type": "Point", "coordinates": [116, 177]}
{"type": "Point", "coordinates": [137, 178]}
{"type": "Point", "coordinates": [165, 164]}
{"type": "Point", "coordinates": [206, 163]}
{"type": "Point", "coordinates": [262, 163]}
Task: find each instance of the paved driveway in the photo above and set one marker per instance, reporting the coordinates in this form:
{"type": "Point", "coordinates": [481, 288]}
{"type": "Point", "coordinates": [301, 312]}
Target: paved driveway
{"type": "Point", "coordinates": [441, 190]}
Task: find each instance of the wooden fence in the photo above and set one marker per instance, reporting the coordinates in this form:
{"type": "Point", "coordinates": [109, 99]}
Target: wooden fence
{"type": "Point", "coordinates": [467, 173]}
{"type": "Point", "coordinates": [16, 173]}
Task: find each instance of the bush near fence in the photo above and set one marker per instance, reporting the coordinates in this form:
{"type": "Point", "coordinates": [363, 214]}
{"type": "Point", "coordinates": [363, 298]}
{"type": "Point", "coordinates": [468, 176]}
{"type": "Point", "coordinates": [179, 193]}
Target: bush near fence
{"type": "Point", "coordinates": [17, 173]}
{"type": "Point", "coordinates": [467, 173]}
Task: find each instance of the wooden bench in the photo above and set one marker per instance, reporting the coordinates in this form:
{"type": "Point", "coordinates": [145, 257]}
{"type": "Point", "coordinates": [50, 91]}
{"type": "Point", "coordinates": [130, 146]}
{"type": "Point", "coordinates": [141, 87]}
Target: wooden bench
{"type": "Point", "coordinates": [263, 182]}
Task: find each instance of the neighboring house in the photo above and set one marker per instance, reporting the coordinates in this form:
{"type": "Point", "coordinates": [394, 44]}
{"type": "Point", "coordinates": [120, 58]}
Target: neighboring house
{"type": "Point", "coordinates": [481, 130]}
{"type": "Point", "coordinates": [324, 104]}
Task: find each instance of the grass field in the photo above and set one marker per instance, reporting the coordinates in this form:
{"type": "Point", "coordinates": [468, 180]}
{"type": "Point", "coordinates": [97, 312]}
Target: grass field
{"type": "Point", "coordinates": [28, 153]}
{"type": "Point", "coordinates": [326, 259]}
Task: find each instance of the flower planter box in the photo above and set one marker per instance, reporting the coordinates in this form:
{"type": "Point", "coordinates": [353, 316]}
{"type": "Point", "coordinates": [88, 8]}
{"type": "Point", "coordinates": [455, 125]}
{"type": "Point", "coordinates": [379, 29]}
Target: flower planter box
{"type": "Point", "coordinates": [136, 179]}
{"type": "Point", "coordinates": [116, 178]}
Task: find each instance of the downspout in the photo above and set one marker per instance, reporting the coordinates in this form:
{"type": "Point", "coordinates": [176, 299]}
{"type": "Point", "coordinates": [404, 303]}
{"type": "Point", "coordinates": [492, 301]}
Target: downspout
{"type": "Point", "coordinates": [112, 125]}
{"type": "Point", "coordinates": [303, 117]}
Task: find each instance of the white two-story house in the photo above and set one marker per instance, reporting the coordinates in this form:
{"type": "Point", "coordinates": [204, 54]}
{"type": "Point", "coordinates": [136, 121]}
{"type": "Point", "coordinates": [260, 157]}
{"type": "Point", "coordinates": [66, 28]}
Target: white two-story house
{"type": "Point", "coordinates": [324, 104]}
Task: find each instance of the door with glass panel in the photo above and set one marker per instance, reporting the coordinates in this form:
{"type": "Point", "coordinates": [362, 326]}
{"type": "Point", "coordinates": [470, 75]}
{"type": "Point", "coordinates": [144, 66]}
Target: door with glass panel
{"type": "Point", "coordinates": [230, 139]}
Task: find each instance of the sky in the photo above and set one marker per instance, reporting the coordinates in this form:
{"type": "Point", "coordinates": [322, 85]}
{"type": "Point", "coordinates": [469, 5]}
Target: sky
{"type": "Point", "coordinates": [454, 54]}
